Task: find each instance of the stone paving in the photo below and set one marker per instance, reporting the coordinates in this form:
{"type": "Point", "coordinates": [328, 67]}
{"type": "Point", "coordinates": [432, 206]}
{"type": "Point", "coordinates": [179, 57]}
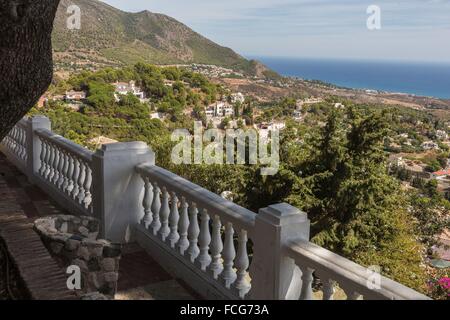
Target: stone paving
{"type": "Point", "coordinates": [140, 276]}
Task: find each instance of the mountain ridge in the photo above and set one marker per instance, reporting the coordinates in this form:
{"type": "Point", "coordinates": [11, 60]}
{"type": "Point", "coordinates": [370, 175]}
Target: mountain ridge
{"type": "Point", "coordinates": [110, 36]}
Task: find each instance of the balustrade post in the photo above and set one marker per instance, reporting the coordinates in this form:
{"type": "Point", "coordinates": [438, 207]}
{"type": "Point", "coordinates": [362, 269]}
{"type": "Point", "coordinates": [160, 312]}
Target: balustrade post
{"type": "Point", "coordinates": [33, 145]}
{"type": "Point", "coordinates": [117, 189]}
{"type": "Point", "coordinates": [274, 275]}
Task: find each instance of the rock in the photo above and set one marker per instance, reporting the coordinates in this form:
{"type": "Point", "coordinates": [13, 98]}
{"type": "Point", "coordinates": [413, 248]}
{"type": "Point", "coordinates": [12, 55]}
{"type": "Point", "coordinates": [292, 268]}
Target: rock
{"type": "Point", "coordinates": [93, 235]}
{"type": "Point", "coordinates": [111, 276]}
{"type": "Point", "coordinates": [72, 244]}
{"type": "Point", "coordinates": [80, 263]}
{"type": "Point", "coordinates": [93, 265]}
{"type": "Point", "coordinates": [56, 247]}
{"type": "Point", "coordinates": [112, 251]}
{"type": "Point", "coordinates": [84, 231]}
{"type": "Point", "coordinates": [83, 253]}
{"type": "Point", "coordinates": [93, 226]}
{"type": "Point", "coordinates": [64, 227]}
{"type": "Point", "coordinates": [77, 237]}
{"type": "Point", "coordinates": [65, 217]}
{"type": "Point", "coordinates": [92, 278]}
{"type": "Point", "coordinates": [108, 264]}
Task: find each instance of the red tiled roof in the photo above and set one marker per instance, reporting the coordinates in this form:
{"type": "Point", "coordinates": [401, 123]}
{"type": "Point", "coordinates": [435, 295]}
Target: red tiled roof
{"type": "Point", "coordinates": [442, 172]}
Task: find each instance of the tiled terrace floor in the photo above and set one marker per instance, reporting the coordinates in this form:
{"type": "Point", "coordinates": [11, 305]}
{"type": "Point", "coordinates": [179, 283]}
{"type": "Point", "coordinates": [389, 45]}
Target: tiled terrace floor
{"type": "Point", "coordinates": [140, 277]}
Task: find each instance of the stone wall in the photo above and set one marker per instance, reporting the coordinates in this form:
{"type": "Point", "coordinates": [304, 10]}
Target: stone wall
{"type": "Point", "coordinates": [73, 241]}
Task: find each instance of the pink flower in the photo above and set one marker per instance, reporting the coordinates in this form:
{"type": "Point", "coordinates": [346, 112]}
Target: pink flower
{"type": "Point", "coordinates": [445, 282]}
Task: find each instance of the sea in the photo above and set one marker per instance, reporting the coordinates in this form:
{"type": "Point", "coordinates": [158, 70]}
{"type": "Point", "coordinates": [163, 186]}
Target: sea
{"type": "Point", "coordinates": [418, 78]}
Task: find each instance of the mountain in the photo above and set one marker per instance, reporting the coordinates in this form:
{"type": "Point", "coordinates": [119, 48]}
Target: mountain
{"type": "Point", "coordinates": [109, 36]}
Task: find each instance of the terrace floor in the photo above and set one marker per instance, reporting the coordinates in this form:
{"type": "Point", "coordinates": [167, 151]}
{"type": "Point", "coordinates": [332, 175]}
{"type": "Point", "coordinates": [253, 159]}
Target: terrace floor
{"type": "Point", "coordinates": [140, 276]}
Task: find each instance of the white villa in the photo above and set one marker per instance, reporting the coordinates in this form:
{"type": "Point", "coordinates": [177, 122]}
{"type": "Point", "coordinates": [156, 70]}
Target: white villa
{"type": "Point", "coordinates": [123, 88]}
{"type": "Point", "coordinates": [441, 135]}
{"type": "Point", "coordinates": [74, 95]}
{"type": "Point", "coordinates": [237, 97]}
{"type": "Point", "coordinates": [220, 109]}
{"type": "Point", "coordinates": [429, 145]}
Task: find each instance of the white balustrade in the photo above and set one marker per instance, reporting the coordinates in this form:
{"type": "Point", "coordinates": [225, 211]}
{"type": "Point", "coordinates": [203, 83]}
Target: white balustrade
{"type": "Point", "coordinates": [66, 168]}
{"type": "Point", "coordinates": [218, 247]}
{"type": "Point", "coordinates": [189, 222]}
{"type": "Point", "coordinates": [15, 143]}
{"type": "Point", "coordinates": [335, 271]}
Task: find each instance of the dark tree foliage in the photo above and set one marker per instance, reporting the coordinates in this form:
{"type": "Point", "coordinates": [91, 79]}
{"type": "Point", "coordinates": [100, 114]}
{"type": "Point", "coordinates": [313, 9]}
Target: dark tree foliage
{"type": "Point", "coordinates": [26, 64]}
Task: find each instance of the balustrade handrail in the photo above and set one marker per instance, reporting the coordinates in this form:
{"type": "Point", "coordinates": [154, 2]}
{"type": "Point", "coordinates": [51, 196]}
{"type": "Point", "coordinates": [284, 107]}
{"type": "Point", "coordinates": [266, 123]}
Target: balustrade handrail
{"type": "Point", "coordinates": [65, 144]}
{"type": "Point", "coordinates": [23, 122]}
{"type": "Point", "coordinates": [215, 204]}
{"type": "Point", "coordinates": [347, 273]}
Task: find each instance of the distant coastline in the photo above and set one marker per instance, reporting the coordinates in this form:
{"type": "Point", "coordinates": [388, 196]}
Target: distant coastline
{"type": "Point", "coordinates": [421, 79]}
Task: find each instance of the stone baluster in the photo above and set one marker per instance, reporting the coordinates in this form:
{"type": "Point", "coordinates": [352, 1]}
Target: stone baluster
{"type": "Point", "coordinates": [183, 225]}
{"type": "Point", "coordinates": [24, 145]}
{"type": "Point", "coordinates": [48, 158]}
{"type": "Point", "coordinates": [156, 206]}
{"type": "Point", "coordinates": [61, 164]}
{"type": "Point", "coordinates": [51, 162]}
{"type": "Point", "coordinates": [328, 289]}
{"type": "Point", "coordinates": [204, 259]}
{"type": "Point", "coordinates": [307, 279]}
{"type": "Point", "coordinates": [22, 151]}
{"type": "Point", "coordinates": [193, 232]}
{"type": "Point", "coordinates": [16, 140]}
{"type": "Point", "coordinates": [42, 158]}
{"type": "Point", "coordinates": [173, 221]}
{"type": "Point", "coordinates": [164, 212]}
{"type": "Point", "coordinates": [70, 183]}
{"type": "Point", "coordinates": [242, 285]}
{"type": "Point", "coordinates": [81, 179]}
{"type": "Point", "coordinates": [76, 173]}
{"type": "Point", "coordinates": [216, 265]}
{"type": "Point", "coordinates": [147, 202]}
{"type": "Point", "coordinates": [228, 275]}
{"type": "Point", "coordinates": [87, 187]}
{"type": "Point", "coordinates": [55, 165]}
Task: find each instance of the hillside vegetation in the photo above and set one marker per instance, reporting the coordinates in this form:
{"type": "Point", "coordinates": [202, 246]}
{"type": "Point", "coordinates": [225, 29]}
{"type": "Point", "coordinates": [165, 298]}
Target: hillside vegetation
{"type": "Point", "coordinates": [109, 36]}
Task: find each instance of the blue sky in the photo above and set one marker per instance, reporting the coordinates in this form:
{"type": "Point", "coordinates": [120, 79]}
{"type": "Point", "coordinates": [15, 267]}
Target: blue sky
{"type": "Point", "coordinates": [411, 29]}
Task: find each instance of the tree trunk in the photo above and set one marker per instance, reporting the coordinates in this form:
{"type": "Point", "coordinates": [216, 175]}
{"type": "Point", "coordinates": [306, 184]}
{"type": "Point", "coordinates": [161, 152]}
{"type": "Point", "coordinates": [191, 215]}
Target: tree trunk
{"type": "Point", "coordinates": [26, 65]}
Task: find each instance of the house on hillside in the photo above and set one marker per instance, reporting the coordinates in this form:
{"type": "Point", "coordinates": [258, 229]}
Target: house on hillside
{"type": "Point", "coordinates": [237, 97]}
{"type": "Point", "coordinates": [220, 109]}
{"type": "Point", "coordinates": [441, 135]}
{"type": "Point", "coordinates": [441, 174]}
{"type": "Point", "coordinates": [123, 88]}
{"type": "Point", "coordinates": [72, 96]}
{"type": "Point", "coordinates": [430, 145]}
